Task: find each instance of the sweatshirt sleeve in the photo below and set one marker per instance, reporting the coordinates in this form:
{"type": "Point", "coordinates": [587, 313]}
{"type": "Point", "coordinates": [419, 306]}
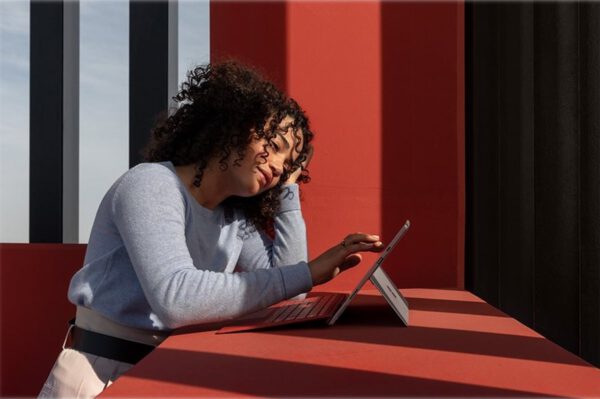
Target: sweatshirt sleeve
{"type": "Point", "coordinates": [149, 212]}
{"type": "Point", "coordinates": [288, 247]}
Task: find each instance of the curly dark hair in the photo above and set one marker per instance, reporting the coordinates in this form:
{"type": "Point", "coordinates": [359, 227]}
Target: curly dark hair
{"type": "Point", "coordinates": [221, 109]}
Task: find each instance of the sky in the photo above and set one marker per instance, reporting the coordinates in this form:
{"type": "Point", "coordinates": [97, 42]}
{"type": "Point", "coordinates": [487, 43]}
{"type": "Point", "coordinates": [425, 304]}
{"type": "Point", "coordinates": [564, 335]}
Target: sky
{"type": "Point", "coordinates": [103, 102]}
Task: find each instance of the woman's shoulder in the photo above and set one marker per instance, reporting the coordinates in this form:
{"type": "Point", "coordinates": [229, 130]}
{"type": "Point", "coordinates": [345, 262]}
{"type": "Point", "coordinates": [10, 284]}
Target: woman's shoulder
{"type": "Point", "coordinates": [149, 177]}
{"type": "Point", "coordinates": [152, 168]}
{"type": "Point", "coordinates": [151, 172]}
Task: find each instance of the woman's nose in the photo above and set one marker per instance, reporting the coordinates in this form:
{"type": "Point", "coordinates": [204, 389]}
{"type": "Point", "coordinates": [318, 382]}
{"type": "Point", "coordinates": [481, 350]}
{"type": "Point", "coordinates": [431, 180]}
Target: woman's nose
{"type": "Point", "coordinates": [276, 169]}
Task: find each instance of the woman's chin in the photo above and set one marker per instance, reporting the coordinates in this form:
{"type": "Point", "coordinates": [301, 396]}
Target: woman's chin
{"type": "Point", "coordinates": [251, 191]}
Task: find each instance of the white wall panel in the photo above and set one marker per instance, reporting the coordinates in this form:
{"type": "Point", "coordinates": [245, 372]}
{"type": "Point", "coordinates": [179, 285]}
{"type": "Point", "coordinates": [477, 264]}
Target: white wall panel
{"type": "Point", "coordinates": [14, 121]}
{"type": "Point", "coordinates": [104, 99]}
{"type": "Point", "coordinates": [194, 35]}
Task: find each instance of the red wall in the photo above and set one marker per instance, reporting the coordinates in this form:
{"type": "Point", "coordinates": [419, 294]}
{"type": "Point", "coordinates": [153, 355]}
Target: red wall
{"type": "Point", "coordinates": [34, 279]}
{"type": "Point", "coordinates": [383, 85]}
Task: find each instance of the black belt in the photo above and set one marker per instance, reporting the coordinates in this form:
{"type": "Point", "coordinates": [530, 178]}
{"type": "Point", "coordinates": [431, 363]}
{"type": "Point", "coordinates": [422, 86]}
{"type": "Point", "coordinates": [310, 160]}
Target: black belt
{"type": "Point", "coordinates": [107, 346]}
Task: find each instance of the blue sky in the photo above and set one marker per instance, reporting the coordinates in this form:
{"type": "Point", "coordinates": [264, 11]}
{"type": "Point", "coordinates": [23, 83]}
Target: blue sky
{"type": "Point", "coordinates": [103, 107]}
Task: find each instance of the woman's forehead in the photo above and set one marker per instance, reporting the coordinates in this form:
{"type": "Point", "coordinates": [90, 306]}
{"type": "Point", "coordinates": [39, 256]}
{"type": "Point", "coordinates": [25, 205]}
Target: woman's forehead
{"type": "Point", "coordinates": [286, 129]}
{"type": "Point", "coordinates": [294, 136]}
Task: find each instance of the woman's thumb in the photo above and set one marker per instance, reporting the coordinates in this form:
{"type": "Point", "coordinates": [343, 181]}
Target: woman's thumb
{"type": "Point", "coordinates": [351, 261]}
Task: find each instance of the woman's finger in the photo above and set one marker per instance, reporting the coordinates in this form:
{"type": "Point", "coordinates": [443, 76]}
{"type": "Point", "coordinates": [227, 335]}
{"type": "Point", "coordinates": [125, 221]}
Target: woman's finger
{"type": "Point", "coordinates": [352, 239]}
{"type": "Point", "coordinates": [363, 246]}
{"type": "Point", "coordinates": [362, 237]}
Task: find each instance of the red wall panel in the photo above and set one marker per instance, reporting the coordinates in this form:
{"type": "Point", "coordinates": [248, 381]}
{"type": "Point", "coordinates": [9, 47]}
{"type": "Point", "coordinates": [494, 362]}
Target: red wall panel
{"type": "Point", "coordinates": [383, 85]}
{"type": "Point", "coordinates": [251, 32]}
{"type": "Point", "coordinates": [423, 137]}
{"type": "Point", "coordinates": [34, 279]}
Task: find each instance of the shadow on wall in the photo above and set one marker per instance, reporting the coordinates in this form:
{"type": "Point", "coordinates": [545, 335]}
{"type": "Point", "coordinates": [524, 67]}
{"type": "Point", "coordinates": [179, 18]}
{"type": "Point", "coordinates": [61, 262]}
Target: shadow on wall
{"type": "Point", "coordinates": [423, 140]}
{"type": "Point", "coordinates": [255, 33]}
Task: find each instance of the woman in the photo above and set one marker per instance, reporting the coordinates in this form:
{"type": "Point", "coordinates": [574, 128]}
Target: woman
{"type": "Point", "coordinates": [208, 229]}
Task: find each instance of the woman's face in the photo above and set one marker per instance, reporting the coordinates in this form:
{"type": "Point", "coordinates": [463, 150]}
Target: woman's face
{"type": "Point", "coordinates": [264, 164]}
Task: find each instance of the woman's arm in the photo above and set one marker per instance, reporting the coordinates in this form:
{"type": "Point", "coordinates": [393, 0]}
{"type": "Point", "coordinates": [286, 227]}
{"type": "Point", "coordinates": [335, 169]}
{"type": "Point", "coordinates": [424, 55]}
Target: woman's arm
{"type": "Point", "coordinates": [288, 247]}
{"type": "Point", "coordinates": [149, 211]}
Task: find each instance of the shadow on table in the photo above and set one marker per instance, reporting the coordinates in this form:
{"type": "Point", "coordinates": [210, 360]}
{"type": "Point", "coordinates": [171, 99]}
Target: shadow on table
{"type": "Point", "coordinates": [452, 306]}
{"type": "Point", "coordinates": [370, 320]}
{"type": "Point", "coordinates": [230, 373]}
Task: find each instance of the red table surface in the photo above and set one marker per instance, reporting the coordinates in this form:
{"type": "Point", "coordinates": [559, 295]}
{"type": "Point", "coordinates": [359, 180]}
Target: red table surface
{"type": "Point", "coordinates": [456, 345]}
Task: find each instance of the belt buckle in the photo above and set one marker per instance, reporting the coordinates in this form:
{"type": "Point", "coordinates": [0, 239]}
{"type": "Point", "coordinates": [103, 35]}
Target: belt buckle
{"type": "Point", "coordinates": [71, 325]}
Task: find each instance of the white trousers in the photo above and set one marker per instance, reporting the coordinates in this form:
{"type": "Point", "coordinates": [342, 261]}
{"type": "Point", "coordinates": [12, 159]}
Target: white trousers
{"type": "Point", "coordinates": [82, 375]}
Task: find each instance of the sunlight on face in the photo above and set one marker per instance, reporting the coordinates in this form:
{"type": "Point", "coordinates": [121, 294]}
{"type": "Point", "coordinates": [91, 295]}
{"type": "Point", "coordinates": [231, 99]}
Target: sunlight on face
{"type": "Point", "coordinates": [265, 162]}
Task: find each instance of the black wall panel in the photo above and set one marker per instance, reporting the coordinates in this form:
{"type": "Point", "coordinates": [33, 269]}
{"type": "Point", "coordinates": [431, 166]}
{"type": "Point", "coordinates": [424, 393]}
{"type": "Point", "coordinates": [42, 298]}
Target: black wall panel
{"type": "Point", "coordinates": [556, 117]}
{"type": "Point", "coordinates": [515, 137]}
{"type": "Point", "coordinates": [533, 165]}
{"type": "Point", "coordinates": [148, 71]}
{"type": "Point", "coordinates": [589, 26]}
{"type": "Point", "coordinates": [46, 122]}
{"type": "Point", "coordinates": [482, 212]}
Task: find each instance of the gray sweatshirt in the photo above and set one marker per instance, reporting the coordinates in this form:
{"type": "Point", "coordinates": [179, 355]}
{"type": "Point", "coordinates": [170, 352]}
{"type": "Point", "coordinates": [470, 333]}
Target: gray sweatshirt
{"type": "Point", "coordinates": [158, 260]}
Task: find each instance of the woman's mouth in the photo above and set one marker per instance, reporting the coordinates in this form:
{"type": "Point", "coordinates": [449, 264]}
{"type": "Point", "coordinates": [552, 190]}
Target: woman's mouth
{"type": "Point", "coordinates": [264, 177]}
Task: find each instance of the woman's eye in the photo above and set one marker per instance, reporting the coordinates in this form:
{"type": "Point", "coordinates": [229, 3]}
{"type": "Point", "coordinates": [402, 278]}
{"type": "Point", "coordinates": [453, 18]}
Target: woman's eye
{"type": "Point", "coordinates": [275, 146]}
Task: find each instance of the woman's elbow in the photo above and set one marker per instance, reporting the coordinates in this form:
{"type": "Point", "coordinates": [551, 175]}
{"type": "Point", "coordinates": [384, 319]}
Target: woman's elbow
{"type": "Point", "coordinates": [169, 317]}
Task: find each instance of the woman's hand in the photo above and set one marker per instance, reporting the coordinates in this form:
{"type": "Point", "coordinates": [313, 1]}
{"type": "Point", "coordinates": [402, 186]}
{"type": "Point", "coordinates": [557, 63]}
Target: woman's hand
{"type": "Point", "coordinates": [343, 256]}
{"type": "Point", "coordinates": [295, 174]}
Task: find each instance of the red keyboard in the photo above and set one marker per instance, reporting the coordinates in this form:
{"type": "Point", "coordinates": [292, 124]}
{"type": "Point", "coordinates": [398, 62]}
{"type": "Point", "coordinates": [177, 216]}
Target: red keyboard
{"type": "Point", "coordinates": [321, 306]}
{"type": "Point", "coordinates": [309, 308]}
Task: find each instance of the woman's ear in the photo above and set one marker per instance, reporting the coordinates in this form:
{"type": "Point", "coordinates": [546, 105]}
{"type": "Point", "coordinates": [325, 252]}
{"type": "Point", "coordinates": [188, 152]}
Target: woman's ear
{"type": "Point", "coordinates": [309, 154]}
{"type": "Point", "coordinates": [253, 135]}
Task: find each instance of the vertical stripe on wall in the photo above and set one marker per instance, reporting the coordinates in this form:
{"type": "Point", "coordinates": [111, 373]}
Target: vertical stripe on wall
{"type": "Point", "coordinates": [515, 140]}
{"type": "Point", "coordinates": [173, 56]}
{"type": "Point", "coordinates": [71, 123]}
{"type": "Point", "coordinates": [152, 68]}
{"type": "Point", "coordinates": [556, 153]}
{"type": "Point", "coordinates": [54, 86]}
{"type": "Point", "coordinates": [235, 34]}
{"type": "Point", "coordinates": [482, 214]}
{"type": "Point", "coordinates": [422, 112]}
